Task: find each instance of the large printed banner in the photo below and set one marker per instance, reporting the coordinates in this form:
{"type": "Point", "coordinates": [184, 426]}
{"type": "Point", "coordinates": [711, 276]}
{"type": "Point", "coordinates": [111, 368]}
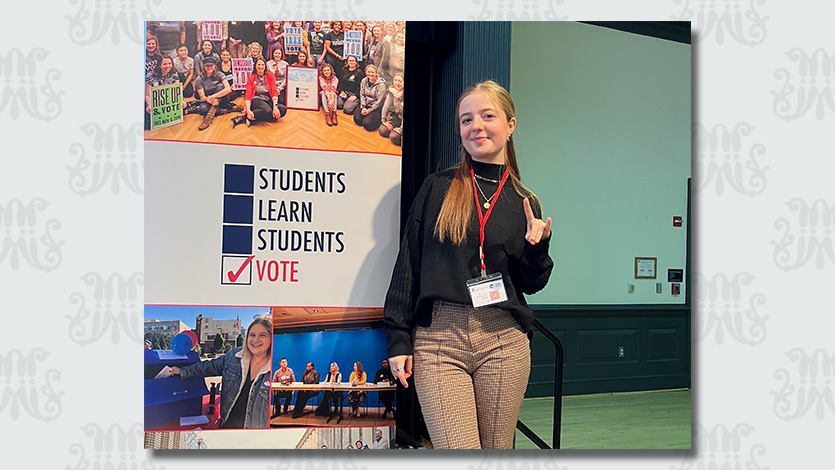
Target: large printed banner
{"type": "Point", "coordinates": [277, 237]}
{"type": "Point", "coordinates": [254, 226]}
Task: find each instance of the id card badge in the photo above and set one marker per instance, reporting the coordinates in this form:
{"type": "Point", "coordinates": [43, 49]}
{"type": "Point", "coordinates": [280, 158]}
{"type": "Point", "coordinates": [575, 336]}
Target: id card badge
{"type": "Point", "coordinates": [488, 290]}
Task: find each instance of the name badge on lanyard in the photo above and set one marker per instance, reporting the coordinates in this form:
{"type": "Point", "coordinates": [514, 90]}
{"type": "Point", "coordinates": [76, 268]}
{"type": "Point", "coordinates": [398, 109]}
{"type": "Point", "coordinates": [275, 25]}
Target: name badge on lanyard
{"type": "Point", "coordinates": [489, 288]}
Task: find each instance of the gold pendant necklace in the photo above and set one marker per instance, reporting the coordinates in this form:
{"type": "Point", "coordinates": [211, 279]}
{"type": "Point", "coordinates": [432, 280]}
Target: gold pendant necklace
{"type": "Point", "coordinates": [487, 202]}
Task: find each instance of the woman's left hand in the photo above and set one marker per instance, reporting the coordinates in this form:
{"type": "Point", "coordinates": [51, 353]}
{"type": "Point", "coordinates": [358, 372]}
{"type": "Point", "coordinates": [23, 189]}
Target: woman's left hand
{"type": "Point", "coordinates": [537, 229]}
{"type": "Point", "coordinates": [365, 112]}
{"type": "Point", "coordinates": [276, 112]}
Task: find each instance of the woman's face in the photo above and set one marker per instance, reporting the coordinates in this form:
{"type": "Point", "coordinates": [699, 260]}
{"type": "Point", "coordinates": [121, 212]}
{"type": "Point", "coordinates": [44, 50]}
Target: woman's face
{"type": "Point", "coordinates": [400, 39]}
{"type": "Point", "coordinates": [277, 55]}
{"type": "Point", "coordinates": [400, 25]}
{"type": "Point", "coordinates": [298, 24]}
{"type": "Point", "coordinates": [225, 56]}
{"type": "Point", "coordinates": [276, 25]}
{"type": "Point", "coordinates": [258, 340]}
{"type": "Point", "coordinates": [398, 82]}
{"type": "Point", "coordinates": [359, 26]}
{"type": "Point", "coordinates": [352, 62]}
{"type": "Point", "coordinates": [165, 65]}
{"type": "Point", "coordinates": [333, 368]}
{"type": "Point", "coordinates": [182, 52]}
{"type": "Point", "coordinates": [260, 67]}
{"type": "Point", "coordinates": [302, 58]}
{"type": "Point", "coordinates": [355, 367]}
{"type": "Point", "coordinates": [484, 128]}
{"type": "Point", "coordinates": [151, 45]}
{"type": "Point", "coordinates": [327, 72]}
{"type": "Point", "coordinates": [336, 26]}
{"type": "Point", "coordinates": [389, 27]}
{"type": "Point", "coordinates": [255, 49]}
{"type": "Point", "coordinates": [377, 31]}
{"type": "Point", "coordinates": [207, 47]}
{"type": "Point", "coordinates": [371, 73]}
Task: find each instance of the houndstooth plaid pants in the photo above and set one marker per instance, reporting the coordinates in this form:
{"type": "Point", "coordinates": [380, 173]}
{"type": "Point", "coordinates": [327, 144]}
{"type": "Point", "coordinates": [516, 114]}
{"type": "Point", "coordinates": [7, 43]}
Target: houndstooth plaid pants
{"type": "Point", "coordinates": [471, 369]}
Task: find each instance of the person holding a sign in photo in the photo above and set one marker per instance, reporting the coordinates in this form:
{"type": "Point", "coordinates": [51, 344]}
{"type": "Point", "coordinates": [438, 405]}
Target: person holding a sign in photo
{"type": "Point", "coordinates": [455, 313]}
{"type": "Point", "coordinates": [274, 38]}
{"type": "Point", "coordinates": [207, 51]}
{"type": "Point", "coordinates": [261, 97]}
{"type": "Point", "coordinates": [392, 114]}
{"type": "Point", "coordinates": [328, 93]}
{"type": "Point", "coordinates": [335, 45]}
{"type": "Point", "coordinates": [213, 91]}
{"type": "Point", "coordinates": [372, 93]}
{"type": "Point", "coordinates": [349, 85]}
{"type": "Point", "coordinates": [245, 394]}
{"type": "Point", "coordinates": [163, 74]}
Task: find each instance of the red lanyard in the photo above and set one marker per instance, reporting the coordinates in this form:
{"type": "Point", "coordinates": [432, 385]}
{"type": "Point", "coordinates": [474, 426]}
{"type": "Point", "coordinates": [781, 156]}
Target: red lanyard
{"type": "Point", "coordinates": [482, 218]}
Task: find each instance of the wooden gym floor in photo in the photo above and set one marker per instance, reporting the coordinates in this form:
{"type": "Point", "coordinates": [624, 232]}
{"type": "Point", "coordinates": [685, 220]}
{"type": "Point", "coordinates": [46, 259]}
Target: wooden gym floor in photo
{"type": "Point", "coordinates": [297, 129]}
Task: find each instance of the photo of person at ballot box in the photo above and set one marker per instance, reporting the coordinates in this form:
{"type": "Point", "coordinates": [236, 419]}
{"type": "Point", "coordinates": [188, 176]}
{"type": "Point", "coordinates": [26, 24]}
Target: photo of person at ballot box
{"type": "Point", "coordinates": [245, 371]}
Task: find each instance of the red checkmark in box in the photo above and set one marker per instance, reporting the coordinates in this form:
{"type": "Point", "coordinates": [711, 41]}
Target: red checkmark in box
{"type": "Point", "coordinates": [233, 272]}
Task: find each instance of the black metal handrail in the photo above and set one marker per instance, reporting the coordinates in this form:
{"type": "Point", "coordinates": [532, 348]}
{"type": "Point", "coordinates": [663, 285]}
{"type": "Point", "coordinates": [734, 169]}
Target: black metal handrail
{"type": "Point", "coordinates": [558, 363]}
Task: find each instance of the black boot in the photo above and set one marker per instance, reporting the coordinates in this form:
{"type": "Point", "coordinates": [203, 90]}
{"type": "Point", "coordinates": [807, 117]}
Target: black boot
{"type": "Point", "coordinates": [238, 120]}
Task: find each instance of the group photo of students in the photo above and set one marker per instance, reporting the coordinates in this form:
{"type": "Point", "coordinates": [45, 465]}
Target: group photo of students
{"type": "Point", "coordinates": [235, 73]}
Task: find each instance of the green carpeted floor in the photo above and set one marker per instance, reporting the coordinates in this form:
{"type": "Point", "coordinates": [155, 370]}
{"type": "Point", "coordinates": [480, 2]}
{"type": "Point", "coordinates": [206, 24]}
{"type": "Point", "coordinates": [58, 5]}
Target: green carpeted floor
{"type": "Point", "coordinates": [633, 420]}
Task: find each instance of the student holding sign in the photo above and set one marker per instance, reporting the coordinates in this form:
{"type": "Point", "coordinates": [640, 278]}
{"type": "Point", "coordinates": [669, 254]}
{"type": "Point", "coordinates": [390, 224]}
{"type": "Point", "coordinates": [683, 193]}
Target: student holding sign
{"type": "Point", "coordinates": [455, 312]}
{"type": "Point", "coordinates": [163, 74]}
{"type": "Point", "coordinates": [261, 97]}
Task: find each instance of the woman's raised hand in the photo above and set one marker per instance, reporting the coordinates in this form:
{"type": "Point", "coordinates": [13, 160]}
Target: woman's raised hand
{"type": "Point", "coordinates": [537, 229]}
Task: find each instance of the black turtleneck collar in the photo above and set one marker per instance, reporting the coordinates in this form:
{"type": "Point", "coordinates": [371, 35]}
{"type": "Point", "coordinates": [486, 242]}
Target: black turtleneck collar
{"type": "Point", "coordinates": [488, 170]}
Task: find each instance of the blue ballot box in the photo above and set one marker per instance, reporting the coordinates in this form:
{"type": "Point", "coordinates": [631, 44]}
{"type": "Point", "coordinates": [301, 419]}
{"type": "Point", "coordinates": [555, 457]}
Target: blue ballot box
{"type": "Point", "coordinates": [169, 399]}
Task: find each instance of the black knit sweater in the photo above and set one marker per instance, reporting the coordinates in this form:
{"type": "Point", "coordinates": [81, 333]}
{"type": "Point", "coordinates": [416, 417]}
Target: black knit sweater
{"type": "Point", "coordinates": [427, 269]}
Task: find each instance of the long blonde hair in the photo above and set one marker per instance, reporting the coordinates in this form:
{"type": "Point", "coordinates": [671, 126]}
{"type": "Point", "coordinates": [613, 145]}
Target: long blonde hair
{"type": "Point", "coordinates": [456, 210]}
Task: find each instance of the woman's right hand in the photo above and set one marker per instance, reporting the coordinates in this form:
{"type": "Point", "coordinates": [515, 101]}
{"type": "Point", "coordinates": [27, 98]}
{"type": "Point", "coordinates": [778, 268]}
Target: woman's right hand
{"type": "Point", "coordinates": [250, 115]}
{"type": "Point", "coordinates": [401, 368]}
{"type": "Point", "coordinates": [174, 370]}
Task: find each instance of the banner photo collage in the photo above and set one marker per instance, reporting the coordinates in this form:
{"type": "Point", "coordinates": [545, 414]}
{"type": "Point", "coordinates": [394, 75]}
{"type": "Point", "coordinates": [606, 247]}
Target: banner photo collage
{"type": "Point", "coordinates": [272, 171]}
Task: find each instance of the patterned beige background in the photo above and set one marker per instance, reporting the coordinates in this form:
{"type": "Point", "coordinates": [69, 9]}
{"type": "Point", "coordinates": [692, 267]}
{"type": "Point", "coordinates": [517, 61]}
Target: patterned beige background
{"type": "Point", "coordinates": [71, 215]}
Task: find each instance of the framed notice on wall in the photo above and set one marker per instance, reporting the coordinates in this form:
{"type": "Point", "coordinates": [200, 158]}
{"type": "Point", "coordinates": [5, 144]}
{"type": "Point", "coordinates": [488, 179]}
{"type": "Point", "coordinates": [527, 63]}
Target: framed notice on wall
{"type": "Point", "coordinates": [645, 268]}
{"type": "Point", "coordinates": [302, 88]}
